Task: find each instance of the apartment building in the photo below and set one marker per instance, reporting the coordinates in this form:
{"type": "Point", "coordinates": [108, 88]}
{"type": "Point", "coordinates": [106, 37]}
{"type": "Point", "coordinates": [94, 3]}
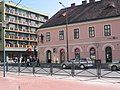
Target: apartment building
{"type": "Point", "coordinates": [21, 27]}
{"type": "Point", "coordinates": [92, 30]}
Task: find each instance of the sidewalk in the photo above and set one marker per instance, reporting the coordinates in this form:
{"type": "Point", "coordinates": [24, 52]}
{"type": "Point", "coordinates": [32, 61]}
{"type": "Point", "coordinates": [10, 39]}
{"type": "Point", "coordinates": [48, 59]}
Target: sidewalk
{"type": "Point", "coordinates": [29, 82]}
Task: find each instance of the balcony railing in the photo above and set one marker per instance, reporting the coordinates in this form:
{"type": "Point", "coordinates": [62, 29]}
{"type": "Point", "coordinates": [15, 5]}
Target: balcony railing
{"type": "Point", "coordinates": [21, 22]}
{"type": "Point", "coordinates": [20, 30]}
{"type": "Point", "coordinates": [13, 37]}
{"type": "Point", "coordinates": [24, 15]}
{"type": "Point", "coordinates": [18, 46]}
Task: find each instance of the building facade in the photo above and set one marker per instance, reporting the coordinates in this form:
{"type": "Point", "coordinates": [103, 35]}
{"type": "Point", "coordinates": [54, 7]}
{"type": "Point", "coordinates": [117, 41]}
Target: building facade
{"type": "Point", "coordinates": [21, 26]}
{"type": "Point", "coordinates": [92, 31]}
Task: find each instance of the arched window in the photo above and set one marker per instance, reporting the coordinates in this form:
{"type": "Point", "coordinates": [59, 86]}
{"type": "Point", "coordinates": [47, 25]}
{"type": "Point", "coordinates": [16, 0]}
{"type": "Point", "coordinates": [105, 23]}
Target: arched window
{"type": "Point", "coordinates": [62, 55]}
{"type": "Point", "coordinates": [92, 53]}
{"type": "Point", "coordinates": [48, 56]}
{"type": "Point", "coordinates": [77, 53]}
{"type": "Point", "coordinates": [108, 54]}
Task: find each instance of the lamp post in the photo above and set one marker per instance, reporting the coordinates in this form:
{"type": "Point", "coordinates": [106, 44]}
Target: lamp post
{"type": "Point", "coordinates": [97, 46]}
{"type": "Point", "coordinates": [66, 21]}
{"type": "Point", "coordinates": [3, 25]}
{"type": "Point", "coordinates": [4, 68]}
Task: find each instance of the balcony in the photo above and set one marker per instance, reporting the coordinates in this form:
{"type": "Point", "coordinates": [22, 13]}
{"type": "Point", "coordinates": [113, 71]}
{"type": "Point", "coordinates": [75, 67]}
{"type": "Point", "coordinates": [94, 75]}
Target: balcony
{"type": "Point", "coordinates": [33, 39]}
{"type": "Point", "coordinates": [11, 20]}
{"type": "Point", "coordinates": [19, 38]}
{"type": "Point", "coordinates": [18, 46]}
{"type": "Point", "coordinates": [27, 16]}
{"type": "Point", "coordinates": [16, 13]}
{"type": "Point", "coordinates": [11, 28]}
{"type": "Point", "coordinates": [17, 30]}
{"type": "Point", "coordinates": [7, 10]}
{"type": "Point", "coordinates": [10, 37]}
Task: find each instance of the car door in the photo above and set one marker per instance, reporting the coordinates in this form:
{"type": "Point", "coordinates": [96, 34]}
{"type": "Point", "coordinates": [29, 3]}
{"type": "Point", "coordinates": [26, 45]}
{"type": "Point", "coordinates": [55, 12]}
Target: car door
{"type": "Point", "coordinates": [119, 65]}
{"type": "Point", "coordinates": [76, 62]}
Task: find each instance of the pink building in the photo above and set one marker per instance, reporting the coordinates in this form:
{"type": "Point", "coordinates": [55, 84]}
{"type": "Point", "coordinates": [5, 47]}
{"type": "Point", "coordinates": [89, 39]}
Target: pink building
{"type": "Point", "coordinates": [90, 30]}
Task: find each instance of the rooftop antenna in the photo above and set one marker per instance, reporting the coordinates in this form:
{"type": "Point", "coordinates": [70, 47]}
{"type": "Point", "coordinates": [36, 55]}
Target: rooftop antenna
{"type": "Point", "coordinates": [18, 2]}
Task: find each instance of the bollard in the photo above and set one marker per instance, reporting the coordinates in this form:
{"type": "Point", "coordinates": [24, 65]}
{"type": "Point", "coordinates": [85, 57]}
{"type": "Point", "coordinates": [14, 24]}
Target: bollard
{"type": "Point", "coordinates": [98, 62]}
{"type": "Point", "coordinates": [19, 64]}
{"type": "Point", "coordinates": [51, 69]}
{"type": "Point", "coordinates": [34, 64]}
{"type": "Point", "coordinates": [6, 66]}
{"type": "Point", "coordinates": [72, 69]}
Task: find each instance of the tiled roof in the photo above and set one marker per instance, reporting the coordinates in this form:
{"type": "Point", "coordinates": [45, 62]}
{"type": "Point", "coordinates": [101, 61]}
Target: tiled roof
{"type": "Point", "coordinates": [85, 12]}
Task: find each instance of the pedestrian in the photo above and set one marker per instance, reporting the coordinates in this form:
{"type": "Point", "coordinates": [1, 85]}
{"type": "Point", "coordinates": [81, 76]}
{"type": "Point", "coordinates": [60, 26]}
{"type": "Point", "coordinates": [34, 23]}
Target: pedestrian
{"type": "Point", "coordinates": [20, 61]}
{"type": "Point", "coordinates": [28, 61]}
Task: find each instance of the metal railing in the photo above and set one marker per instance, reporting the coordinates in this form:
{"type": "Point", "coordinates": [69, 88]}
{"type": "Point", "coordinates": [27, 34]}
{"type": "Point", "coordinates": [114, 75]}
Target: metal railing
{"type": "Point", "coordinates": [56, 69]}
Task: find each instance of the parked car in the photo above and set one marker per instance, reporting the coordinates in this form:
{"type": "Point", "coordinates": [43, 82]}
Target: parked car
{"type": "Point", "coordinates": [81, 63]}
{"type": "Point", "coordinates": [114, 66]}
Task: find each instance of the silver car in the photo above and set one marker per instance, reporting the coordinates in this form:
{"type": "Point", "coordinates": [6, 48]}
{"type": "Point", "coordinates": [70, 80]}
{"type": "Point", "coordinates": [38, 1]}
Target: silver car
{"type": "Point", "coordinates": [114, 66]}
{"type": "Point", "coordinates": [81, 63]}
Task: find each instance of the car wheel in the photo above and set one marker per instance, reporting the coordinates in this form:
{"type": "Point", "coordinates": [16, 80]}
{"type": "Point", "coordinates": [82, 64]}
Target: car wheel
{"type": "Point", "coordinates": [63, 66]}
{"type": "Point", "coordinates": [114, 68]}
{"type": "Point", "coordinates": [82, 66]}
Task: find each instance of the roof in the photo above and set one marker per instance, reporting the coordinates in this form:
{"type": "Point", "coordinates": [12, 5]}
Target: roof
{"type": "Point", "coordinates": [85, 12]}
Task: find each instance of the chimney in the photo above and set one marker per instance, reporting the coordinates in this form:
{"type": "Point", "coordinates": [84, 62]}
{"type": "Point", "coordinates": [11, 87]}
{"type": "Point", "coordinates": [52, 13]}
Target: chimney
{"type": "Point", "coordinates": [73, 5]}
{"type": "Point", "coordinates": [91, 1]}
{"type": "Point", "coordinates": [84, 2]}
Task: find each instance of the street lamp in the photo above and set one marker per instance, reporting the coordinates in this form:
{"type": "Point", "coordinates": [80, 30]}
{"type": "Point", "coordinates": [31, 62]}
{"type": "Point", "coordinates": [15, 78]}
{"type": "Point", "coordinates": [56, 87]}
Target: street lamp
{"type": "Point", "coordinates": [3, 25]}
{"type": "Point", "coordinates": [97, 46]}
{"type": "Point", "coordinates": [66, 21]}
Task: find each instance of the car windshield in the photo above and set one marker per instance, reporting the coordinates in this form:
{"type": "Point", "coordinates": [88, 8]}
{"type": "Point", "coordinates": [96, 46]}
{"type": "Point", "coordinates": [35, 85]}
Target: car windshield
{"type": "Point", "coordinates": [81, 60]}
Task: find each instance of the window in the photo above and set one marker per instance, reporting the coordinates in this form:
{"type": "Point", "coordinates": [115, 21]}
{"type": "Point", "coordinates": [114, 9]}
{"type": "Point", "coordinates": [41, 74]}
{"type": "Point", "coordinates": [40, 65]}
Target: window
{"type": "Point", "coordinates": [92, 53]}
{"type": "Point", "coordinates": [61, 35]}
{"type": "Point", "coordinates": [7, 9]}
{"type": "Point", "coordinates": [20, 12]}
{"type": "Point", "coordinates": [107, 30]}
{"type": "Point", "coordinates": [62, 55]}
{"type": "Point", "coordinates": [77, 53]}
{"type": "Point", "coordinates": [12, 26]}
{"type": "Point", "coordinates": [91, 32]}
{"type": "Point", "coordinates": [76, 33]}
{"type": "Point", "coordinates": [7, 26]}
{"type": "Point", "coordinates": [20, 27]}
{"type": "Point", "coordinates": [48, 36]}
{"type": "Point", "coordinates": [11, 10]}
{"type": "Point", "coordinates": [33, 30]}
{"type": "Point", "coordinates": [7, 18]}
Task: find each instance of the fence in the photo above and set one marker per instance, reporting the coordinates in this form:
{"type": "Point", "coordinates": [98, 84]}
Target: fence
{"type": "Point", "coordinates": [56, 69]}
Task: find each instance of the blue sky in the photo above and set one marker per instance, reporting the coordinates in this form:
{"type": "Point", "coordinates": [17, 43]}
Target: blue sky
{"type": "Point", "coordinates": [48, 6]}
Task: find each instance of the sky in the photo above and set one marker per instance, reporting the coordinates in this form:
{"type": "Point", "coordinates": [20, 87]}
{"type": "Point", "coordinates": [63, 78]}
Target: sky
{"type": "Point", "coordinates": [50, 7]}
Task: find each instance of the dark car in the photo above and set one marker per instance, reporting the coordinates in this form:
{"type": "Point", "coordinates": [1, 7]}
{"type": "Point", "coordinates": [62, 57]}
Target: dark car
{"type": "Point", "coordinates": [114, 66]}
{"type": "Point", "coordinates": [81, 63]}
